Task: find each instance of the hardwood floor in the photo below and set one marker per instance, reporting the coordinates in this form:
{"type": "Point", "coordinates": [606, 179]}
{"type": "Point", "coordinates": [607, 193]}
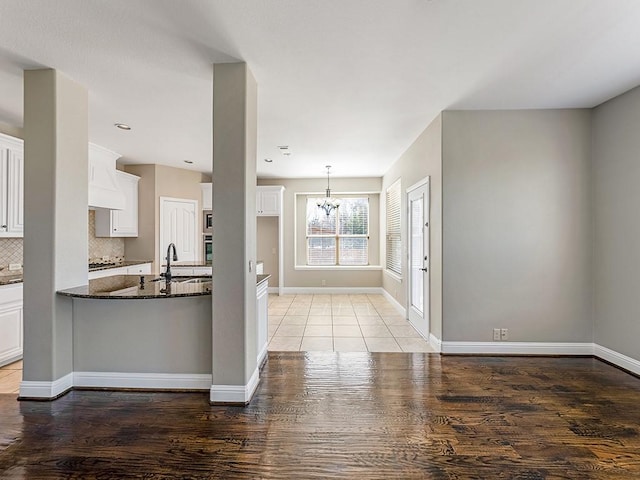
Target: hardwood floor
{"type": "Point", "coordinates": [346, 415]}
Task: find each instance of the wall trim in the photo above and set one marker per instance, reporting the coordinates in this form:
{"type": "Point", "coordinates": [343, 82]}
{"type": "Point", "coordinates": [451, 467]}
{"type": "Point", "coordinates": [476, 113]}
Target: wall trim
{"type": "Point", "coordinates": [618, 359]}
{"type": "Point", "coordinates": [46, 390]}
{"type": "Point", "coordinates": [395, 303]}
{"type": "Point", "coordinates": [152, 381]}
{"type": "Point", "coordinates": [331, 290]}
{"type": "Point", "coordinates": [435, 342]}
{"type": "Point", "coordinates": [263, 354]}
{"type": "Point", "coordinates": [221, 394]}
{"type": "Point", "coordinates": [11, 356]}
{"type": "Point", "coordinates": [517, 348]}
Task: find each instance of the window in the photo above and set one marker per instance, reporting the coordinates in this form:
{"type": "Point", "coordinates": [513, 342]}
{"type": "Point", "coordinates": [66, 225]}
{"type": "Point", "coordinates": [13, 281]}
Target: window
{"type": "Point", "coordinates": [340, 238]}
{"type": "Point", "coordinates": [394, 242]}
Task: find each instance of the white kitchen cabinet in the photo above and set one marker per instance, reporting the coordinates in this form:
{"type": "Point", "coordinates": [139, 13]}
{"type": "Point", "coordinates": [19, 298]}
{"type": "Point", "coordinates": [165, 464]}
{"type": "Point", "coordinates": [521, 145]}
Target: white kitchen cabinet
{"type": "Point", "coordinates": [103, 184]}
{"type": "Point", "coordinates": [262, 312]}
{"type": "Point", "coordinates": [10, 323]}
{"type": "Point", "coordinates": [269, 200]}
{"type": "Point", "coordinates": [11, 187]}
{"type": "Point", "coordinates": [121, 223]}
{"type": "Point", "coordinates": [143, 269]}
{"type": "Point", "coordinates": [207, 193]}
{"type": "Point", "coordinates": [187, 271]}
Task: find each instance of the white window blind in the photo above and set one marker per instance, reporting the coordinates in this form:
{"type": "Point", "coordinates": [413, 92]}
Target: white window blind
{"type": "Point", "coordinates": [394, 241]}
{"type": "Point", "coordinates": [338, 239]}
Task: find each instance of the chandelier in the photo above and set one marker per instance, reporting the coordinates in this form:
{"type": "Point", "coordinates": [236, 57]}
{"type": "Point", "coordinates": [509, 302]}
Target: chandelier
{"type": "Point", "coordinates": [328, 203]}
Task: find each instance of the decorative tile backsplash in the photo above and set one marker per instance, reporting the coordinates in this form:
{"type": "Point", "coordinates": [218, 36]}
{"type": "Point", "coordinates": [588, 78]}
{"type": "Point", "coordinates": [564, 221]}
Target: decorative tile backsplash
{"type": "Point", "coordinates": [10, 252]}
{"type": "Point", "coordinates": [11, 248]}
{"type": "Point", "coordinates": [103, 247]}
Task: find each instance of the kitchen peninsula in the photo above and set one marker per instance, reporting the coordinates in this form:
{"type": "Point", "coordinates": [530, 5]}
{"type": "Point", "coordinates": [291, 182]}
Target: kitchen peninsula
{"type": "Point", "coordinates": [139, 331]}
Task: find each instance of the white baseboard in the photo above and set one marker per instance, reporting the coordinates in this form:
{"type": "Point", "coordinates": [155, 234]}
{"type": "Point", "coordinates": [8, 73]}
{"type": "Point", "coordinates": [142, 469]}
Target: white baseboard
{"type": "Point", "coordinates": [46, 390]}
{"type": "Point", "coordinates": [235, 393]}
{"type": "Point", "coordinates": [517, 348]}
{"type": "Point", "coordinates": [331, 290]}
{"type": "Point", "coordinates": [435, 342]}
{"type": "Point", "coordinates": [401, 310]}
{"type": "Point", "coordinates": [10, 357]}
{"type": "Point", "coordinates": [164, 381]}
{"type": "Point", "coordinates": [622, 361]}
{"type": "Point", "coordinates": [273, 290]}
{"type": "Point", "coordinates": [263, 354]}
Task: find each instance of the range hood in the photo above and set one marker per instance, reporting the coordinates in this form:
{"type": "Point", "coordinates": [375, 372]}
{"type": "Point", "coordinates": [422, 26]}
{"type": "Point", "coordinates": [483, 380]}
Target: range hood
{"type": "Point", "coordinates": [103, 186]}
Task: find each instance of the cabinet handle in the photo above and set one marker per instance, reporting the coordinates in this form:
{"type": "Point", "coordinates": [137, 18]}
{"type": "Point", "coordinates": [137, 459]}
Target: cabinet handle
{"type": "Point", "coordinates": [4, 226]}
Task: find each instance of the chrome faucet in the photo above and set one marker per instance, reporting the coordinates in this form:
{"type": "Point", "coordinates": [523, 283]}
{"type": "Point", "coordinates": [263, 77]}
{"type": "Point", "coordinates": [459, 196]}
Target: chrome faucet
{"type": "Point", "coordinates": [167, 272]}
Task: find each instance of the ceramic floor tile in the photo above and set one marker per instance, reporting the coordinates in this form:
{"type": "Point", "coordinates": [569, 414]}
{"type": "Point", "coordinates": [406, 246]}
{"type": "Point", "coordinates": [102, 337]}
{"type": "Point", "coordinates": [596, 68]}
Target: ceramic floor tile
{"type": "Point", "coordinates": [319, 320]}
{"type": "Point", "coordinates": [339, 320]}
{"type": "Point", "coordinates": [343, 311]}
{"type": "Point", "coordinates": [318, 331]}
{"type": "Point", "coordinates": [289, 331]}
{"type": "Point", "coordinates": [382, 344]}
{"type": "Point", "coordinates": [370, 320]}
{"type": "Point", "coordinates": [414, 344]}
{"type": "Point", "coordinates": [320, 310]}
{"type": "Point", "coordinates": [375, 331]}
{"type": "Point", "coordinates": [350, 344]}
{"type": "Point", "coordinates": [311, 344]}
{"type": "Point", "coordinates": [285, 344]}
{"type": "Point", "coordinates": [298, 310]}
{"type": "Point", "coordinates": [346, 331]}
{"type": "Point", "coordinates": [277, 311]}
{"type": "Point", "coordinates": [271, 330]}
{"type": "Point", "coordinates": [403, 331]}
{"type": "Point", "coordinates": [274, 319]}
{"type": "Point", "coordinates": [394, 320]}
{"type": "Point", "coordinates": [364, 309]}
{"type": "Point", "coordinates": [294, 320]}
{"type": "Point", "coordinates": [321, 299]}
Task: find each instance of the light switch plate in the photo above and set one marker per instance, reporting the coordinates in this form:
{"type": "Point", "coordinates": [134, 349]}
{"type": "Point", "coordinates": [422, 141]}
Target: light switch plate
{"type": "Point", "coordinates": [15, 266]}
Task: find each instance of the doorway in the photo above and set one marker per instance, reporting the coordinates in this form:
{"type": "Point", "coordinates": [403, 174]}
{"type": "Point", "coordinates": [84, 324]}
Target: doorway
{"type": "Point", "coordinates": [178, 225]}
{"type": "Point", "coordinates": [418, 256]}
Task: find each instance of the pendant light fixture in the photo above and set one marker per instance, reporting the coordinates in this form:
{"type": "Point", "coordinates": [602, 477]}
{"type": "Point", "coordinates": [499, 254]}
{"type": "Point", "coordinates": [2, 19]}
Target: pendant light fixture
{"type": "Point", "coordinates": [328, 203]}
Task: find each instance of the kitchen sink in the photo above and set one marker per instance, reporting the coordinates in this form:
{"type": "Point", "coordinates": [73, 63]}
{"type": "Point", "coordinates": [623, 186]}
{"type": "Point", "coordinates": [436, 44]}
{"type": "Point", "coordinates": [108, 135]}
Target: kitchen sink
{"type": "Point", "coordinates": [197, 280]}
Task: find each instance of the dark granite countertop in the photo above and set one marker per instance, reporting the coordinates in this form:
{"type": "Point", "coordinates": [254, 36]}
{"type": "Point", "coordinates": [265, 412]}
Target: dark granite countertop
{"type": "Point", "coordinates": [130, 287]}
{"type": "Point", "coordinates": [126, 263]}
{"type": "Point", "coordinates": [10, 279]}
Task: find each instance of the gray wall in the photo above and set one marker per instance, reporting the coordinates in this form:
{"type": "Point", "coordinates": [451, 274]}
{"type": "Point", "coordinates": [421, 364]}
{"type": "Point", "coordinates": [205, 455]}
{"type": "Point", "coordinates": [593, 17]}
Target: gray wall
{"type": "Point", "coordinates": [423, 158]}
{"type": "Point", "coordinates": [517, 225]}
{"type": "Point", "coordinates": [616, 174]}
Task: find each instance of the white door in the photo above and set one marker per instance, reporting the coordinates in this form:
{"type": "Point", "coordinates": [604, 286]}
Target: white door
{"type": "Point", "coordinates": [178, 225]}
{"type": "Point", "coordinates": [418, 264]}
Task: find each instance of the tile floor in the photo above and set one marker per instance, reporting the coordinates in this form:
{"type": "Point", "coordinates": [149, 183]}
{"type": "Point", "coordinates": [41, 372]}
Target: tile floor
{"type": "Point", "coordinates": [341, 323]}
{"type": "Point", "coordinates": [10, 377]}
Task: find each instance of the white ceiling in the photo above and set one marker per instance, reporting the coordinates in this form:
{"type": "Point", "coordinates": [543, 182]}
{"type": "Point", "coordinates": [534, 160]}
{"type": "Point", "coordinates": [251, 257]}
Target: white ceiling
{"type": "Point", "coordinates": [349, 83]}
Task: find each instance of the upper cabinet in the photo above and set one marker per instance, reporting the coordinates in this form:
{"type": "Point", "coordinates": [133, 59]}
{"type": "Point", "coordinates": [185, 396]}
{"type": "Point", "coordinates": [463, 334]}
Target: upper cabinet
{"type": "Point", "coordinates": [121, 223]}
{"type": "Point", "coordinates": [11, 187]}
{"type": "Point", "coordinates": [269, 200]}
{"type": "Point", "coordinates": [207, 194]}
{"type": "Point", "coordinates": [103, 185]}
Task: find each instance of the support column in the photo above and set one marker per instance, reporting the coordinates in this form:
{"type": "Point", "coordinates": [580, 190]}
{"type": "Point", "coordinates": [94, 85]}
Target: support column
{"type": "Point", "coordinates": [56, 223]}
{"type": "Point", "coordinates": [235, 371]}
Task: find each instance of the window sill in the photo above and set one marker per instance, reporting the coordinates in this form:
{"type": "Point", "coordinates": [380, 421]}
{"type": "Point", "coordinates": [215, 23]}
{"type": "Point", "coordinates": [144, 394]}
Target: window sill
{"type": "Point", "coordinates": [338, 267]}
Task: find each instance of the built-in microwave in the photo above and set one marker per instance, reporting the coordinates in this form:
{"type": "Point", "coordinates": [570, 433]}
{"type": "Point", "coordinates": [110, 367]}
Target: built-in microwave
{"type": "Point", "coordinates": [207, 221]}
{"type": "Point", "coordinates": [208, 248]}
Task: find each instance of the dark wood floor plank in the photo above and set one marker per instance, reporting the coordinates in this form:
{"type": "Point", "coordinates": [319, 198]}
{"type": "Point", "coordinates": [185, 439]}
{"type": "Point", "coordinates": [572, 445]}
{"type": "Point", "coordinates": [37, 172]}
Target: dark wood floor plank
{"type": "Point", "coordinates": [337, 415]}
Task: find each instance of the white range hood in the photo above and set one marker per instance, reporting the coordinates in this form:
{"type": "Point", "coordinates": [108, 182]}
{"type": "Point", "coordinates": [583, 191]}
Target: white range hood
{"type": "Point", "coordinates": [103, 186]}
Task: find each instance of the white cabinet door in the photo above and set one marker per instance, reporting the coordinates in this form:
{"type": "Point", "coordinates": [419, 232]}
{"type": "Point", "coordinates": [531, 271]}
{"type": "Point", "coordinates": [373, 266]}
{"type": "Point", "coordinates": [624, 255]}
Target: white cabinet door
{"type": "Point", "coordinates": [144, 269]}
{"type": "Point", "coordinates": [269, 200]}
{"type": "Point", "coordinates": [121, 223]}
{"type": "Point", "coordinates": [202, 270]}
{"type": "Point", "coordinates": [11, 187]}
{"type": "Point", "coordinates": [207, 193]}
{"type": "Point", "coordinates": [10, 324]}
{"type": "Point", "coordinates": [262, 312]}
{"type": "Point", "coordinates": [178, 226]}
{"type": "Point", "coordinates": [180, 271]}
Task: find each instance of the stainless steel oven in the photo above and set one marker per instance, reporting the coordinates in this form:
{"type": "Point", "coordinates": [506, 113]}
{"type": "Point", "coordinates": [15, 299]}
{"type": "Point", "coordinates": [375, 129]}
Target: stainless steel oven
{"type": "Point", "coordinates": [207, 242]}
{"type": "Point", "coordinates": [207, 221]}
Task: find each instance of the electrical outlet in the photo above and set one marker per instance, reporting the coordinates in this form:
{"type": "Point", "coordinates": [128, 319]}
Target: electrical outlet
{"type": "Point", "coordinates": [496, 334]}
{"type": "Point", "coordinates": [504, 334]}
{"type": "Point", "coordinates": [324, 283]}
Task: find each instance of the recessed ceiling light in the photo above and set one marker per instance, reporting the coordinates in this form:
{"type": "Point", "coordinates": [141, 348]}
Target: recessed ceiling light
{"type": "Point", "coordinates": [188, 161]}
{"type": "Point", "coordinates": [122, 126]}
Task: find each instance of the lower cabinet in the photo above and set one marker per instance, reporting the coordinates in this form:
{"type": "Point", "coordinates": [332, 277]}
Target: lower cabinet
{"type": "Point", "coordinates": [10, 323]}
{"type": "Point", "coordinates": [262, 309]}
{"type": "Point", "coordinates": [186, 271]}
